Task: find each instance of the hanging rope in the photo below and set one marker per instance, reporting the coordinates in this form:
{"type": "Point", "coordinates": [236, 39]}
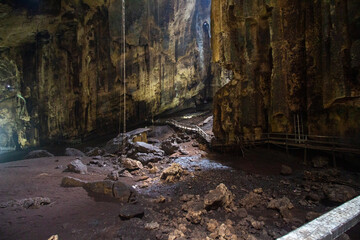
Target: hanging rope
{"type": "Point", "coordinates": [124, 52]}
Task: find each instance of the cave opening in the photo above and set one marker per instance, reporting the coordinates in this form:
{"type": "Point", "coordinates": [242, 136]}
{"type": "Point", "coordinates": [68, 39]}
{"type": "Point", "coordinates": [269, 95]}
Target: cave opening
{"type": "Point", "coordinates": [172, 119]}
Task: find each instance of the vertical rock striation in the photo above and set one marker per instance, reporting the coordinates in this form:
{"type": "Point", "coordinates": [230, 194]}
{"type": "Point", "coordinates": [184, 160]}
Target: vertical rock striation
{"type": "Point", "coordinates": [62, 60]}
{"type": "Point", "coordinates": [284, 59]}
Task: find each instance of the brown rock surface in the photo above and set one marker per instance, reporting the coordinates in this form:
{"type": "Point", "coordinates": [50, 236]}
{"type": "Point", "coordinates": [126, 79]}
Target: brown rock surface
{"type": "Point", "coordinates": [280, 59]}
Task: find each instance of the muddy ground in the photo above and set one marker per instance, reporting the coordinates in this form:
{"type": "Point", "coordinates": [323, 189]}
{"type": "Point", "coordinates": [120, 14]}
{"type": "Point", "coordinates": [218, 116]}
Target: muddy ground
{"type": "Point", "coordinates": [263, 195]}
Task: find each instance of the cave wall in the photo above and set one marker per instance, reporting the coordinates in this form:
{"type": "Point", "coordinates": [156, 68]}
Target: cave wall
{"type": "Point", "coordinates": [286, 59]}
{"type": "Point", "coordinates": [63, 61]}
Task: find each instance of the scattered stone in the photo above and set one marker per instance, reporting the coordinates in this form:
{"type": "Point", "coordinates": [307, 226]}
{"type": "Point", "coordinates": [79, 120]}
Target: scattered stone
{"type": "Point", "coordinates": [223, 232]}
{"type": "Point", "coordinates": [54, 237]}
{"type": "Point", "coordinates": [95, 152]}
{"type": "Point", "coordinates": [102, 188]}
{"type": "Point", "coordinates": [176, 234]}
{"type": "Point", "coordinates": [315, 196]}
{"type": "Point", "coordinates": [72, 182]}
{"type": "Point", "coordinates": [35, 202]}
{"type": "Point", "coordinates": [113, 175]}
{"type": "Point", "coordinates": [152, 226]}
{"type": "Point", "coordinates": [320, 161]}
{"type": "Point", "coordinates": [77, 166]}
{"type": "Point", "coordinates": [74, 152]}
{"type": "Point", "coordinates": [146, 158]}
{"type": "Point", "coordinates": [117, 144]}
{"type": "Point", "coordinates": [160, 199]}
{"type": "Point", "coordinates": [286, 170]}
{"type": "Point", "coordinates": [153, 141]}
{"type": "Point", "coordinates": [283, 205]}
{"type": "Point", "coordinates": [258, 190]}
{"type": "Point", "coordinates": [169, 147]}
{"type": "Point", "coordinates": [241, 213]}
{"type": "Point", "coordinates": [148, 148]}
{"type": "Point", "coordinates": [172, 173]}
{"type": "Point", "coordinates": [122, 192]}
{"type": "Point", "coordinates": [38, 154]}
{"type": "Point", "coordinates": [125, 173]}
{"type": "Point", "coordinates": [142, 178]}
{"type": "Point", "coordinates": [219, 197]}
{"type": "Point", "coordinates": [131, 164]}
{"type": "Point", "coordinates": [251, 200]}
{"type": "Point", "coordinates": [183, 152]}
{"type": "Point", "coordinates": [131, 211]}
{"type": "Point", "coordinates": [187, 197]}
{"type": "Point", "coordinates": [212, 225]}
{"type": "Point", "coordinates": [194, 216]}
{"type": "Point", "coordinates": [154, 170]}
{"type": "Point", "coordinates": [339, 193]}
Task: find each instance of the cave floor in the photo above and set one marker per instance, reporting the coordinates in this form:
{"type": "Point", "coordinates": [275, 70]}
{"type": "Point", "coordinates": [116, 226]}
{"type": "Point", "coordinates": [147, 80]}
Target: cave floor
{"type": "Point", "coordinates": [175, 209]}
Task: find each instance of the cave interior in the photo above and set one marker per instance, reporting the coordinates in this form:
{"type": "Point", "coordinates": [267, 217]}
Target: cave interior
{"type": "Point", "coordinates": [173, 119]}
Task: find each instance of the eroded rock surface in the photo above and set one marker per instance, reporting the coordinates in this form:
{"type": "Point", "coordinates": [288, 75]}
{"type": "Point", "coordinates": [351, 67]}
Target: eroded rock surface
{"type": "Point", "coordinates": [38, 154]}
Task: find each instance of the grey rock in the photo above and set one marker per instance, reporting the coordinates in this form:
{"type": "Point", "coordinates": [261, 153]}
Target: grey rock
{"type": "Point", "coordinates": [148, 148]}
{"type": "Point", "coordinates": [146, 158]}
{"type": "Point", "coordinates": [74, 152]}
{"type": "Point", "coordinates": [131, 211]}
{"type": "Point", "coordinates": [77, 166]}
{"type": "Point", "coordinates": [72, 182]}
{"type": "Point", "coordinates": [169, 147]}
{"type": "Point", "coordinates": [38, 154]}
{"type": "Point", "coordinates": [131, 164]}
{"type": "Point", "coordinates": [117, 144]}
{"type": "Point", "coordinates": [339, 193]}
{"type": "Point", "coordinates": [95, 152]}
{"type": "Point", "coordinates": [219, 197]}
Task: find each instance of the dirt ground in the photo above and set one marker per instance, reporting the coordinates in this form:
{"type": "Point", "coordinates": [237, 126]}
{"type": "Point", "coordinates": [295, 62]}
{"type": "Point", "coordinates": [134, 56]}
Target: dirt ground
{"type": "Point", "coordinates": [175, 209]}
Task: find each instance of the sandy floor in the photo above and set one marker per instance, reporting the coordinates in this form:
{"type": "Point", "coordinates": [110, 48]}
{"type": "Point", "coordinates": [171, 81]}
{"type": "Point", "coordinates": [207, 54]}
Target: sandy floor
{"type": "Point", "coordinates": [73, 214]}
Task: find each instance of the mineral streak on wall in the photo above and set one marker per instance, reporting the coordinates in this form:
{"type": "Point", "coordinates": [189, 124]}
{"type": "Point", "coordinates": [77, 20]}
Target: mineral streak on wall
{"type": "Point", "coordinates": [285, 59]}
{"type": "Point", "coordinates": [63, 63]}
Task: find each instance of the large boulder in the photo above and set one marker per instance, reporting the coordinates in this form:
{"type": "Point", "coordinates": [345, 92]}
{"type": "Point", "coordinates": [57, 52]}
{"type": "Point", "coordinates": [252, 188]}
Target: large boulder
{"type": "Point", "coordinates": [172, 173]}
{"type": "Point", "coordinates": [74, 152]}
{"type": "Point", "coordinates": [117, 144]}
{"type": "Point", "coordinates": [339, 193]}
{"type": "Point", "coordinates": [95, 152]}
{"type": "Point", "coordinates": [77, 166]}
{"type": "Point", "coordinates": [131, 164]}
{"type": "Point", "coordinates": [146, 158]}
{"type": "Point", "coordinates": [107, 188]}
{"type": "Point", "coordinates": [38, 154]}
{"type": "Point", "coordinates": [72, 182]}
{"type": "Point", "coordinates": [169, 147]}
{"type": "Point", "coordinates": [147, 148]}
{"type": "Point", "coordinates": [221, 196]}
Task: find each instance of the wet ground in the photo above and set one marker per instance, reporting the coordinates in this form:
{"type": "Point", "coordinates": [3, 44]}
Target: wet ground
{"type": "Point", "coordinates": [254, 180]}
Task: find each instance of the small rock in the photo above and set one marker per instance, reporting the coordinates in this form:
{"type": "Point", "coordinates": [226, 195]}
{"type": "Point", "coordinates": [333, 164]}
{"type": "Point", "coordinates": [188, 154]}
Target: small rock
{"type": "Point", "coordinates": [122, 192]}
{"type": "Point", "coordinates": [172, 173]}
{"type": "Point", "coordinates": [102, 187]}
{"type": "Point", "coordinates": [146, 158]}
{"type": "Point", "coordinates": [212, 225]}
{"type": "Point", "coordinates": [54, 237]}
{"type": "Point", "coordinates": [219, 197]}
{"type": "Point", "coordinates": [113, 175]}
{"type": "Point", "coordinates": [176, 234]}
{"type": "Point", "coordinates": [251, 200]}
{"type": "Point", "coordinates": [187, 197]}
{"type": "Point", "coordinates": [125, 173]}
{"type": "Point", "coordinates": [74, 152]}
{"type": "Point", "coordinates": [131, 211]}
{"type": "Point", "coordinates": [95, 152]}
{"type": "Point", "coordinates": [283, 205]}
{"type": "Point", "coordinates": [151, 226]}
{"type": "Point", "coordinates": [131, 164]}
{"type": "Point", "coordinates": [154, 170]}
{"type": "Point", "coordinates": [339, 193]}
{"type": "Point", "coordinates": [77, 166]}
{"type": "Point", "coordinates": [160, 199]}
{"type": "Point", "coordinates": [72, 182]}
{"type": "Point", "coordinates": [194, 216]}
{"type": "Point", "coordinates": [258, 190]}
{"type": "Point", "coordinates": [148, 148]}
{"type": "Point", "coordinates": [169, 147]}
{"type": "Point", "coordinates": [35, 202]}
{"type": "Point", "coordinates": [142, 178]}
{"type": "Point", "coordinates": [320, 161]}
{"type": "Point", "coordinates": [38, 154]}
{"type": "Point", "coordinates": [285, 170]}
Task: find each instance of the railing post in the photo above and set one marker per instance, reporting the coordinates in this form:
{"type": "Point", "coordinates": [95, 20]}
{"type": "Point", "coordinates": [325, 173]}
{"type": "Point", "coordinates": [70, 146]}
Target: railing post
{"type": "Point", "coordinates": [286, 143]}
{"type": "Point", "coordinates": [333, 152]}
{"type": "Point", "coordinates": [305, 150]}
{"type": "Point", "coordinates": [268, 140]}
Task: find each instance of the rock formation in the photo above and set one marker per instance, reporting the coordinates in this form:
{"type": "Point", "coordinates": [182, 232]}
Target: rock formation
{"type": "Point", "coordinates": [61, 65]}
{"type": "Point", "coordinates": [284, 59]}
